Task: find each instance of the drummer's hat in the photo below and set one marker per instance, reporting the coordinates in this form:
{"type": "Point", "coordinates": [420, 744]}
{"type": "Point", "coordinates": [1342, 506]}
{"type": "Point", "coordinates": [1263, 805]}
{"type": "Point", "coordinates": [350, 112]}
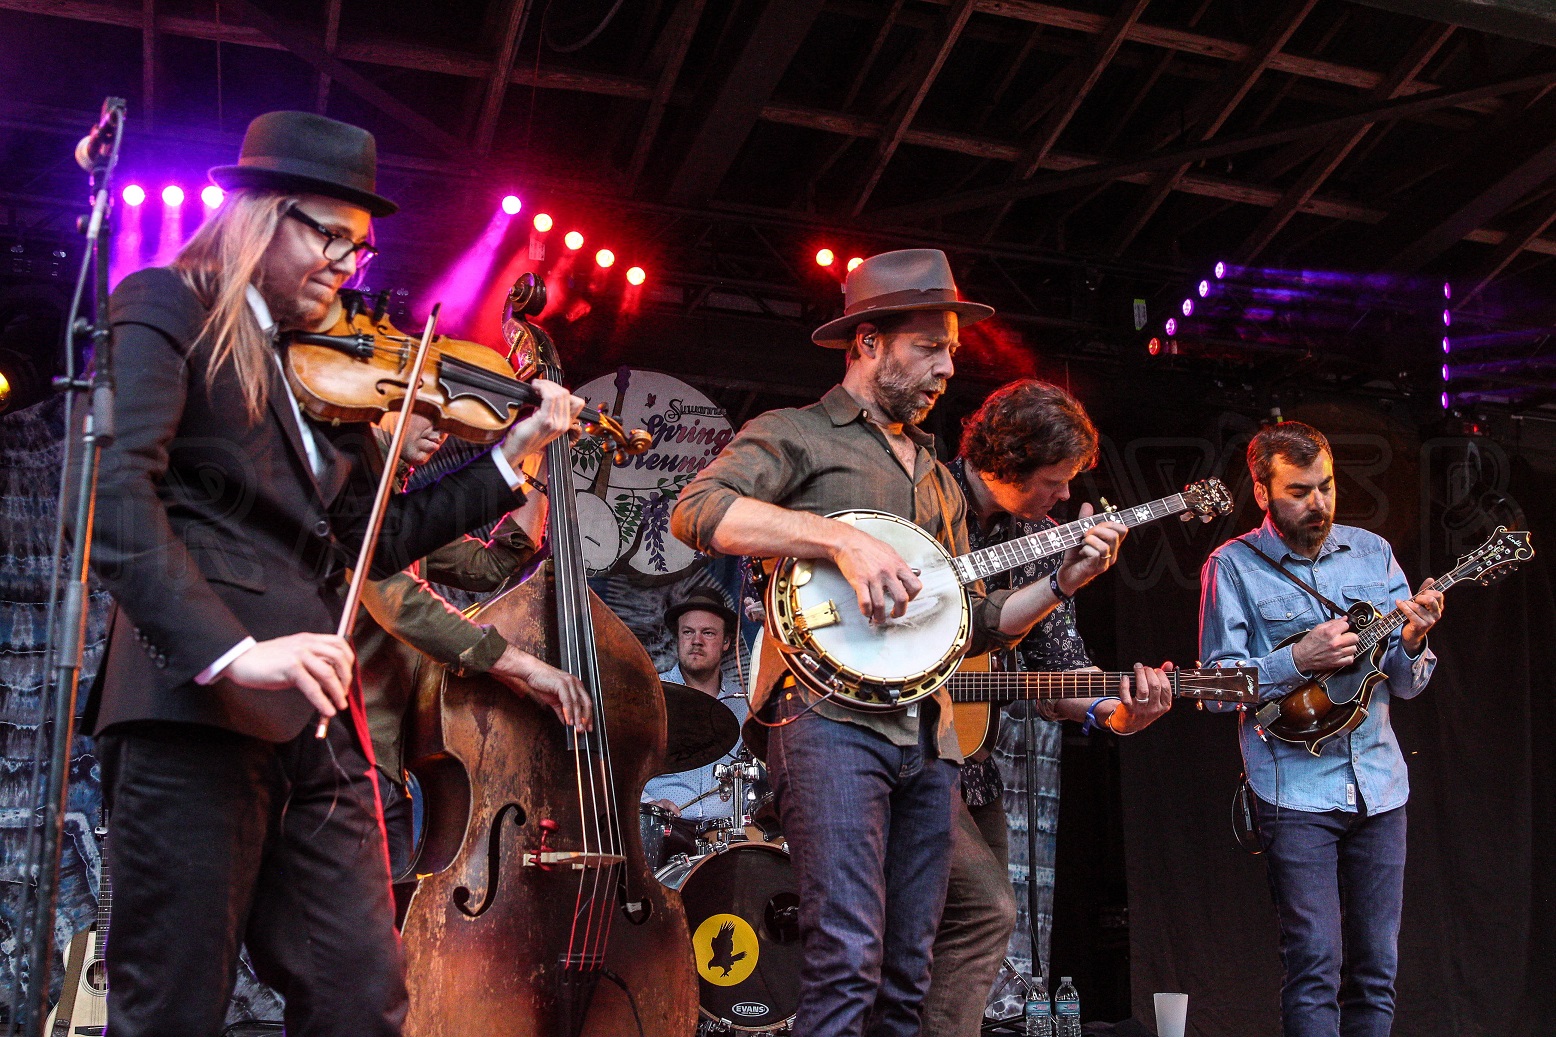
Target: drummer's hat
{"type": "Point", "coordinates": [301, 151]}
{"type": "Point", "coordinates": [897, 282]}
{"type": "Point", "coordinates": [706, 599]}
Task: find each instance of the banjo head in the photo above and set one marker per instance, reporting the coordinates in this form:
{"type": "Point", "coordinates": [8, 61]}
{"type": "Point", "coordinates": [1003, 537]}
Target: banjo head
{"type": "Point", "coordinates": [911, 654]}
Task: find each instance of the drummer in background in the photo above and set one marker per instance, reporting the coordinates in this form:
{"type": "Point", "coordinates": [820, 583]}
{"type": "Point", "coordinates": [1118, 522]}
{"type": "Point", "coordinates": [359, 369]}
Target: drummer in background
{"type": "Point", "coordinates": [704, 628]}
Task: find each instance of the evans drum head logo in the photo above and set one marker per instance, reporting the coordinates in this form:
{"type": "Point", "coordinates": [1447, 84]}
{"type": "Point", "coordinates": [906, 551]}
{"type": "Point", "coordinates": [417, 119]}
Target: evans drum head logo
{"type": "Point", "coordinates": [750, 1009]}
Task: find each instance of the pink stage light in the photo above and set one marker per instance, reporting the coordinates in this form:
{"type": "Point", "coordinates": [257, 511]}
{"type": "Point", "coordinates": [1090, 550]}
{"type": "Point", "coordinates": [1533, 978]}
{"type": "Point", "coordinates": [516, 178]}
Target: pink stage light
{"type": "Point", "coordinates": [605, 258]}
{"type": "Point", "coordinates": [212, 196]}
{"type": "Point", "coordinates": [134, 195]}
{"type": "Point", "coordinates": [460, 288]}
{"type": "Point", "coordinates": [173, 195]}
{"type": "Point", "coordinates": [636, 275]}
{"type": "Point", "coordinates": [511, 204]}
{"type": "Point", "coordinates": [542, 222]}
{"type": "Point", "coordinates": [573, 240]}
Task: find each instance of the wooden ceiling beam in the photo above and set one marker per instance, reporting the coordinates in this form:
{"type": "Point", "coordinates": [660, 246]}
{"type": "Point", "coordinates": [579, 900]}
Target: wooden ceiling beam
{"type": "Point", "coordinates": [511, 22]}
{"type": "Point", "coordinates": [1522, 236]}
{"type": "Point", "coordinates": [1341, 145]}
{"type": "Point", "coordinates": [1211, 112]}
{"type": "Point", "coordinates": [909, 105]}
{"type": "Point", "coordinates": [148, 61]}
{"type": "Point", "coordinates": [321, 93]}
{"type": "Point", "coordinates": [677, 35]}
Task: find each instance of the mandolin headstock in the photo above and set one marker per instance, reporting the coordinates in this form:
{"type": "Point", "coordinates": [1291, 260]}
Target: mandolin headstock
{"type": "Point", "coordinates": [1499, 555]}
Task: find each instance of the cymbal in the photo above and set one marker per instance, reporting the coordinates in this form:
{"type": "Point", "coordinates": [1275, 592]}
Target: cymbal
{"type": "Point", "coordinates": [701, 728]}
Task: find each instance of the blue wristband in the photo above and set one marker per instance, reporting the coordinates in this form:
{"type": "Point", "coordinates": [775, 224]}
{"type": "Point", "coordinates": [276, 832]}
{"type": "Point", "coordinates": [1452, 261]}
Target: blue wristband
{"type": "Point", "coordinates": [1092, 723]}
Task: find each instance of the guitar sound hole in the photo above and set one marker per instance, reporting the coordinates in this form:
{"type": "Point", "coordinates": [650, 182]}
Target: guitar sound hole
{"type": "Point", "coordinates": [97, 976]}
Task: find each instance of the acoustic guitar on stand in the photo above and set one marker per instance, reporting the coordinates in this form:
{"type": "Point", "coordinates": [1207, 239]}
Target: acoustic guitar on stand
{"type": "Point", "coordinates": [83, 1003]}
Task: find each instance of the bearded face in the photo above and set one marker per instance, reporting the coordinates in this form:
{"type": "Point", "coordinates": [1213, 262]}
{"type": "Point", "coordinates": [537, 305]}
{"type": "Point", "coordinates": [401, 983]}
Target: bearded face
{"type": "Point", "coordinates": [915, 362]}
{"type": "Point", "coordinates": [1301, 502]}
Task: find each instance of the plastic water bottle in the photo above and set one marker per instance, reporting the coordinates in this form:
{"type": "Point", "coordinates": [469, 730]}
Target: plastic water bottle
{"type": "Point", "coordinates": [1036, 1016]}
{"type": "Point", "coordinates": [1067, 1009]}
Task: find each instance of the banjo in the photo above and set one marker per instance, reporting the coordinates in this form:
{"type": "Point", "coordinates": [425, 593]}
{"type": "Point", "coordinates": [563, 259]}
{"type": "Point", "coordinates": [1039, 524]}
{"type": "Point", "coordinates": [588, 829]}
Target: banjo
{"type": "Point", "coordinates": [831, 649]}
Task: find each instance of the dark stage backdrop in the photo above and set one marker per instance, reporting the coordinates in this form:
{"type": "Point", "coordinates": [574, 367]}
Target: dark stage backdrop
{"type": "Point", "coordinates": [1477, 958]}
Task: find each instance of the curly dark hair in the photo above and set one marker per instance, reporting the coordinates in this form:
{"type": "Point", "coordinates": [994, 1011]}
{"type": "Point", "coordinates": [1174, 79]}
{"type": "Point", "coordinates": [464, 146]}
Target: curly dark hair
{"type": "Point", "coordinates": [1027, 425]}
{"type": "Point", "coordinates": [1295, 443]}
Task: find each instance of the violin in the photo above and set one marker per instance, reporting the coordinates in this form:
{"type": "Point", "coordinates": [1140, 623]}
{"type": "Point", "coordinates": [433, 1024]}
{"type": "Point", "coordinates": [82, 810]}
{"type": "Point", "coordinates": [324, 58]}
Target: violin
{"type": "Point", "coordinates": [358, 370]}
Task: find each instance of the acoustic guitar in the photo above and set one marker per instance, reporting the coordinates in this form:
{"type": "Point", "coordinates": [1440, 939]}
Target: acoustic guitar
{"type": "Point", "coordinates": [976, 689]}
{"type": "Point", "coordinates": [1335, 702]}
{"type": "Point", "coordinates": [83, 1004]}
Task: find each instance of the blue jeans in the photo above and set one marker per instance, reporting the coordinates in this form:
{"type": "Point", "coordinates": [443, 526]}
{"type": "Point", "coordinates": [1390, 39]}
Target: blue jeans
{"type": "Point", "coordinates": [1338, 879]}
{"type": "Point", "coordinates": [869, 827]}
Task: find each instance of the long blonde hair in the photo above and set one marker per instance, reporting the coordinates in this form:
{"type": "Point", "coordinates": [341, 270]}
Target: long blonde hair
{"type": "Point", "coordinates": [218, 264]}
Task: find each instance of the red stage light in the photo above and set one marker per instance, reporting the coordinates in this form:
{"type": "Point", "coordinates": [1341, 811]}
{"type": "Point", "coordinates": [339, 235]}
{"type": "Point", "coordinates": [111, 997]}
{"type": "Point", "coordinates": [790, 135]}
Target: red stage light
{"type": "Point", "coordinates": [853, 263]}
{"type": "Point", "coordinates": [542, 222]}
{"type": "Point", "coordinates": [825, 257]}
{"type": "Point", "coordinates": [636, 276]}
{"type": "Point", "coordinates": [511, 204]}
{"type": "Point", "coordinates": [1154, 347]}
{"type": "Point", "coordinates": [605, 257]}
{"type": "Point", "coordinates": [574, 240]}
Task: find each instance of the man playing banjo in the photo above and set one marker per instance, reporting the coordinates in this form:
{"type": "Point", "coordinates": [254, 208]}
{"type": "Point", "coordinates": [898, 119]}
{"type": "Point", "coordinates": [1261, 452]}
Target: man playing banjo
{"type": "Point", "coordinates": [864, 797]}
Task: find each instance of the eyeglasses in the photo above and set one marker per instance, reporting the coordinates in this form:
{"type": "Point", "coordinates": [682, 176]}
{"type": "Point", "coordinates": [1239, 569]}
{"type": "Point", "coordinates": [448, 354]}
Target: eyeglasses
{"type": "Point", "coordinates": [336, 246]}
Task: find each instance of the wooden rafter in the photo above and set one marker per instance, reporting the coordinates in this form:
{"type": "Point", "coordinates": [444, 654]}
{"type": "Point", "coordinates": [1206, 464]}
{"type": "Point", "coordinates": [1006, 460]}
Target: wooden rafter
{"type": "Point", "coordinates": [1097, 172]}
{"type": "Point", "coordinates": [311, 51]}
{"type": "Point", "coordinates": [148, 61]}
{"type": "Point", "coordinates": [1214, 109]}
{"type": "Point", "coordinates": [1080, 78]}
{"type": "Point", "coordinates": [677, 35]}
{"type": "Point", "coordinates": [909, 105]}
{"type": "Point", "coordinates": [511, 24]}
{"type": "Point", "coordinates": [321, 95]}
{"type": "Point", "coordinates": [1341, 144]}
{"type": "Point", "coordinates": [1523, 234]}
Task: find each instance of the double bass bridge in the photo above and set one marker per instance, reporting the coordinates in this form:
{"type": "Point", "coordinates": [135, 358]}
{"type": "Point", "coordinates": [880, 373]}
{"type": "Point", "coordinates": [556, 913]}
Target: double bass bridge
{"type": "Point", "coordinates": [578, 860]}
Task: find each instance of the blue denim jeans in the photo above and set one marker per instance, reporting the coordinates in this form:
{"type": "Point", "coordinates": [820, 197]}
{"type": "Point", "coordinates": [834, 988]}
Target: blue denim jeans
{"type": "Point", "coordinates": [1338, 879]}
{"type": "Point", "coordinates": [869, 830]}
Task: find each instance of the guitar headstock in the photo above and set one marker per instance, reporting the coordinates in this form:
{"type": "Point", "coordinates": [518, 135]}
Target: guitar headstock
{"type": "Point", "coordinates": [1208, 498]}
{"type": "Point", "coordinates": [1235, 684]}
{"type": "Point", "coordinates": [1498, 556]}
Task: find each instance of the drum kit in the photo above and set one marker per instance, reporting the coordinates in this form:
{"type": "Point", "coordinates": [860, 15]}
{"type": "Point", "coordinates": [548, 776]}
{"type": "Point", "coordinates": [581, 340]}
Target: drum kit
{"type": "Point", "coordinates": [733, 873]}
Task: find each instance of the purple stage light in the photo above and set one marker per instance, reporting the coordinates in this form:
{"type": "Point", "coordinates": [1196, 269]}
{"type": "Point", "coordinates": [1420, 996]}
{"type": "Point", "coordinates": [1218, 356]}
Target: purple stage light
{"type": "Point", "coordinates": [511, 204]}
{"type": "Point", "coordinates": [1445, 345]}
{"type": "Point", "coordinates": [1188, 307]}
{"type": "Point", "coordinates": [173, 195]}
{"type": "Point", "coordinates": [1204, 289]}
{"type": "Point", "coordinates": [1447, 290]}
{"type": "Point", "coordinates": [1445, 401]}
{"type": "Point", "coordinates": [1171, 327]}
{"type": "Point", "coordinates": [134, 195]}
{"type": "Point", "coordinates": [1447, 319]}
{"type": "Point", "coordinates": [212, 196]}
{"type": "Point", "coordinates": [1220, 271]}
{"type": "Point", "coordinates": [1445, 372]}
{"type": "Point", "coordinates": [461, 285]}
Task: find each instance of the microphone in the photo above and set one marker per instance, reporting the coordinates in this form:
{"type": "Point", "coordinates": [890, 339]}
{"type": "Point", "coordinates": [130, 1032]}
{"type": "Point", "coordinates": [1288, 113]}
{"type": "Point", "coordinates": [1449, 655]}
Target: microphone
{"type": "Point", "coordinates": [93, 150]}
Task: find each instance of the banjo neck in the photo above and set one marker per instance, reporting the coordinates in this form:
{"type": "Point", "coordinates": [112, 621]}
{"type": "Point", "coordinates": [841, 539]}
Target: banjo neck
{"type": "Point", "coordinates": [998, 558]}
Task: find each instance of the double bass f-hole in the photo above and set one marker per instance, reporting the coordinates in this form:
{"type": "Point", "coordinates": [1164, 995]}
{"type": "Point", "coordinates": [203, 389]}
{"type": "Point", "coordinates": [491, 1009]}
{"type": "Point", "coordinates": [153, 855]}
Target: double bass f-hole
{"type": "Point", "coordinates": [494, 860]}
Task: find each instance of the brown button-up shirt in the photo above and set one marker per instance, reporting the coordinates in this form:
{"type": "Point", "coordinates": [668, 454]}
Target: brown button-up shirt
{"type": "Point", "coordinates": [825, 458]}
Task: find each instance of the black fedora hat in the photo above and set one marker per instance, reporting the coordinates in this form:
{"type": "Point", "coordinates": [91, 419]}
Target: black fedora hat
{"type": "Point", "coordinates": [705, 598]}
{"type": "Point", "coordinates": [301, 151]}
{"type": "Point", "coordinates": [897, 282]}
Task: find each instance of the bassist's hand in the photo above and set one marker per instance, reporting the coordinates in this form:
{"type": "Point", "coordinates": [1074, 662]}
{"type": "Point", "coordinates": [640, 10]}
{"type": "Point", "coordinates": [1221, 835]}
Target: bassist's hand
{"type": "Point", "coordinates": [1329, 646]}
{"type": "Point", "coordinates": [564, 693]}
{"type": "Point", "coordinates": [1423, 612]}
{"type": "Point", "coordinates": [879, 576]}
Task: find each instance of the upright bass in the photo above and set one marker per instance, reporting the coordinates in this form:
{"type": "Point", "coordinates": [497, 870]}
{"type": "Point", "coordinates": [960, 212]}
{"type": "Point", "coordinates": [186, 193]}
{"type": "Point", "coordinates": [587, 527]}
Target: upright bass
{"type": "Point", "coordinates": [534, 887]}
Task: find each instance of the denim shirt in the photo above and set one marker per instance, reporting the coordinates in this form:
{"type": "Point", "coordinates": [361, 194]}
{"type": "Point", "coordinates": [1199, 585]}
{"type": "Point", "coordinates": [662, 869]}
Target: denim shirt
{"type": "Point", "coordinates": [684, 786]}
{"type": "Point", "coordinates": [1247, 607]}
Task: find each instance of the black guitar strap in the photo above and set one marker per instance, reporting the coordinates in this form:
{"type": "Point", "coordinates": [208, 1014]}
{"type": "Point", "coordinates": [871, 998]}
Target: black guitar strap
{"type": "Point", "coordinates": [1331, 606]}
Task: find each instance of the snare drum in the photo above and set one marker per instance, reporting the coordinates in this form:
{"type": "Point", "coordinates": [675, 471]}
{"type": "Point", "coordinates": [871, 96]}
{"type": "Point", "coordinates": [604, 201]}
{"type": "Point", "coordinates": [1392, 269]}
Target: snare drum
{"type": "Point", "coordinates": [743, 909]}
{"type": "Point", "coordinates": [665, 835]}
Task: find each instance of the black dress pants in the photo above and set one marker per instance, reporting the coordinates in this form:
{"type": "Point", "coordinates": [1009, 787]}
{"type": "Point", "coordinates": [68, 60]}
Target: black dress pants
{"type": "Point", "coordinates": [218, 840]}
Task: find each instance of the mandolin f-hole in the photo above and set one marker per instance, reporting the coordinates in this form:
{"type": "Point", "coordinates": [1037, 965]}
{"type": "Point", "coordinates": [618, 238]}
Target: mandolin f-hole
{"type": "Point", "coordinates": [493, 862]}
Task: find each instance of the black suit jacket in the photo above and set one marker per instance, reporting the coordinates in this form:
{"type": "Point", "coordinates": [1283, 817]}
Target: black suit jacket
{"type": "Point", "coordinates": [210, 529]}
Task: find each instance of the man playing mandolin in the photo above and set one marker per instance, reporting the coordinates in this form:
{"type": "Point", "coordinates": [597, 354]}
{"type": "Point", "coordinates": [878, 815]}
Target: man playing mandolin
{"type": "Point", "coordinates": [1331, 821]}
{"type": "Point", "coordinates": [864, 797]}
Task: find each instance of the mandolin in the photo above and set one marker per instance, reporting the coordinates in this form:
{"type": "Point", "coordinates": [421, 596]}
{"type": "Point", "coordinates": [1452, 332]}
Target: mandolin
{"type": "Point", "coordinates": [976, 689]}
{"type": "Point", "coordinates": [1334, 703]}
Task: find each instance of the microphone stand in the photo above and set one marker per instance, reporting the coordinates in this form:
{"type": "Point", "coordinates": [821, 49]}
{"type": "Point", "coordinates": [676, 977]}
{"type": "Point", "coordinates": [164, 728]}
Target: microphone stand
{"type": "Point", "coordinates": [88, 400]}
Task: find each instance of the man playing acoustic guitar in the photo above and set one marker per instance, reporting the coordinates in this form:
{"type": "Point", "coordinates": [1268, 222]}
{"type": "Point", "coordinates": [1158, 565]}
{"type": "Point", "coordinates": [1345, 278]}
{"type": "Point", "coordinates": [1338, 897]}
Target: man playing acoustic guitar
{"type": "Point", "coordinates": [1332, 822]}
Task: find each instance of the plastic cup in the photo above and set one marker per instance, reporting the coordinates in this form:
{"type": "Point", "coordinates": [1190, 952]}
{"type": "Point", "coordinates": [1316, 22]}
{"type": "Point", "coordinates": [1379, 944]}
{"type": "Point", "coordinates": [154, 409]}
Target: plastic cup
{"type": "Point", "coordinates": [1172, 1014]}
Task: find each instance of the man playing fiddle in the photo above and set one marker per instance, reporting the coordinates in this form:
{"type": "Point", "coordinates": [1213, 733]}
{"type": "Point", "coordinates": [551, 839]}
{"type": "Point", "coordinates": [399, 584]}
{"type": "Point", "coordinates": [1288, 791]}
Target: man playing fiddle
{"type": "Point", "coordinates": [225, 519]}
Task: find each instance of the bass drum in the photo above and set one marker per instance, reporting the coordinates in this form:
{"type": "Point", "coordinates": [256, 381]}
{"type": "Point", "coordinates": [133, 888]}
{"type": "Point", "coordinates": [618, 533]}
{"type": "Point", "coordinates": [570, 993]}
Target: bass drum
{"type": "Point", "coordinates": [743, 909]}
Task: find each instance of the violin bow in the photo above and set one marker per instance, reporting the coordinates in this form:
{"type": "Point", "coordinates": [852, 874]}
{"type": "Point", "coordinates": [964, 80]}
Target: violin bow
{"type": "Point", "coordinates": [375, 520]}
